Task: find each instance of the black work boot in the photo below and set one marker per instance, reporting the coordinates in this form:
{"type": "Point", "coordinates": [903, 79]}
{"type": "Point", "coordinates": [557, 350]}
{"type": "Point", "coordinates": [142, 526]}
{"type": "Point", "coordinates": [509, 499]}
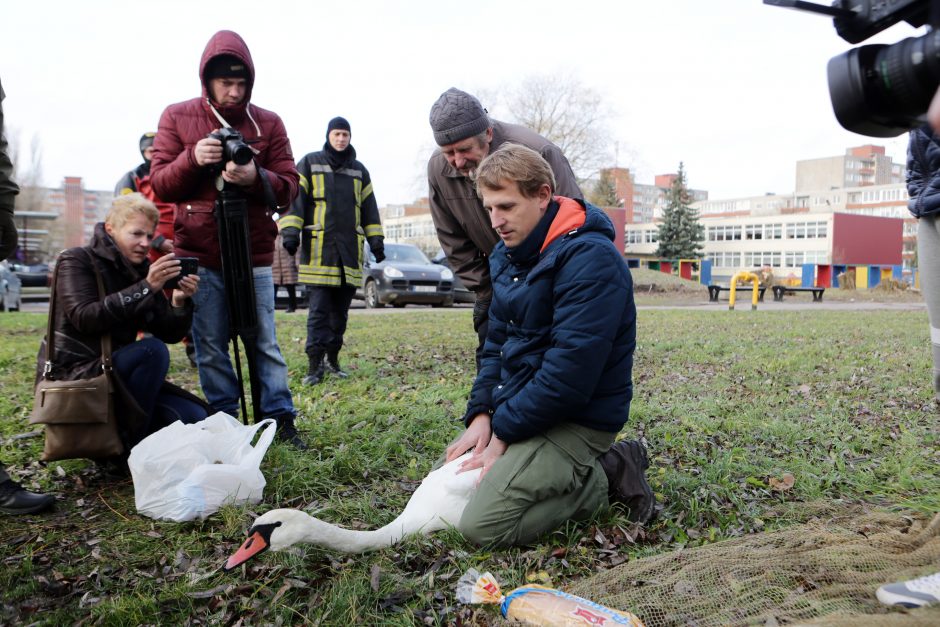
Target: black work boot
{"type": "Point", "coordinates": [625, 464]}
{"type": "Point", "coordinates": [15, 500]}
{"type": "Point", "coordinates": [332, 365]}
{"type": "Point", "coordinates": [315, 370]}
{"type": "Point", "coordinates": [287, 432]}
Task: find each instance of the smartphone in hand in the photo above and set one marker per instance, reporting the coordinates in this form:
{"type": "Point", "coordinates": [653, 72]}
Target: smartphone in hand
{"type": "Point", "coordinates": [188, 265]}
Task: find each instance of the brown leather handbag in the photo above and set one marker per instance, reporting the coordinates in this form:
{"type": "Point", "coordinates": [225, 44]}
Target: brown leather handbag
{"type": "Point", "coordinates": [78, 415]}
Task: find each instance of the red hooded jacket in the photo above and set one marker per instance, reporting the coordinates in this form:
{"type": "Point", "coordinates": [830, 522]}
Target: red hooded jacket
{"type": "Point", "coordinates": [176, 177]}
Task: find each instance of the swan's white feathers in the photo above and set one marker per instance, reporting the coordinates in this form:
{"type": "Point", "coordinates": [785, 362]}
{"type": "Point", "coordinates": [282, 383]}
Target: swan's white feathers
{"type": "Point", "coordinates": [436, 504]}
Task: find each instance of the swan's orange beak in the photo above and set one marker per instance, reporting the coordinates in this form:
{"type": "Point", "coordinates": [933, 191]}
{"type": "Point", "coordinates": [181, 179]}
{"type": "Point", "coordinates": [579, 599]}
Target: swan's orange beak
{"type": "Point", "coordinates": [255, 544]}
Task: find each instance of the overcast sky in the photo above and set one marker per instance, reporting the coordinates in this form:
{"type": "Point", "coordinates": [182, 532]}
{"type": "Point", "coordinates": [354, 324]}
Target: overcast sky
{"type": "Point", "coordinates": [733, 88]}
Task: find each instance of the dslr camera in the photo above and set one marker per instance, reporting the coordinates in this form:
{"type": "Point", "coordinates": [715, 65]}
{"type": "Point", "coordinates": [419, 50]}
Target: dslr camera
{"type": "Point", "coordinates": [881, 90]}
{"type": "Point", "coordinates": [234, 147]}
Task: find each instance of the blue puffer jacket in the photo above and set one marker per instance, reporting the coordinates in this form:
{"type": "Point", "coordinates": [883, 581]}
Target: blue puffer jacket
{"type": "Point", "coordinates": [562, 329]}
{"type": "Point", "coordinates": [923, 173]}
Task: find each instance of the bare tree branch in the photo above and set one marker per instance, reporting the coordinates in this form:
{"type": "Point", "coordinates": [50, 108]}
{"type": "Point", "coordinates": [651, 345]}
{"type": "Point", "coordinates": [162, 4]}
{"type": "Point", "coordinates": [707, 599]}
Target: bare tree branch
{"type": "Point", "coordinates": [564, 111]}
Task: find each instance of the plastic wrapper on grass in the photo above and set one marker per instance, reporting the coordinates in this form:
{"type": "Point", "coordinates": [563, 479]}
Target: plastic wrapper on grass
{"type": "Point", "coordinates": [539, 605]}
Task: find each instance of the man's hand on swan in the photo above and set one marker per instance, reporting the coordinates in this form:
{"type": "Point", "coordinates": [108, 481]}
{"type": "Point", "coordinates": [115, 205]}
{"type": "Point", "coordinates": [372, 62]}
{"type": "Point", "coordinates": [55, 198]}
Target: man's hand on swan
{"type": "Point", "coordinates": [476, 437]}
{"type": "Point", "coordinates": [485, 458]}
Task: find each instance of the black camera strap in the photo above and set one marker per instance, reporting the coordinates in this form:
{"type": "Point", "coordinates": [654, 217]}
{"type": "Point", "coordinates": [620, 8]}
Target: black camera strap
{"type": "Point", "coordinates": [269, 198]}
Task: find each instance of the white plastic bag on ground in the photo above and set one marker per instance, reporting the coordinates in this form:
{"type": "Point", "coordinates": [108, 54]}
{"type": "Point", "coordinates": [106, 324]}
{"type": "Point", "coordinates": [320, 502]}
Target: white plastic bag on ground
{"type": "Point", "coordinates": [183, 472]}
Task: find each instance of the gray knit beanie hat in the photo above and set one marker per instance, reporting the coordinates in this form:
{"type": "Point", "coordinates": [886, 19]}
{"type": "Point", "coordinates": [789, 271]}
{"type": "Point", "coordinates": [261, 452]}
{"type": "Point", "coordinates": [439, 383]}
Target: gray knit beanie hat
{"type": "Point", "coordinates": [457, 115]}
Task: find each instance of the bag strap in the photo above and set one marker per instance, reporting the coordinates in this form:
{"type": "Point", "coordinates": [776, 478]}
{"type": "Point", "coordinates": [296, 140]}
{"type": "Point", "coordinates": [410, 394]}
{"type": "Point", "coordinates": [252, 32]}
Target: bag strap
{"type": "Point", "coordinates": [50, 324]}
{"type": "Point", "coordinates": [106, 337]}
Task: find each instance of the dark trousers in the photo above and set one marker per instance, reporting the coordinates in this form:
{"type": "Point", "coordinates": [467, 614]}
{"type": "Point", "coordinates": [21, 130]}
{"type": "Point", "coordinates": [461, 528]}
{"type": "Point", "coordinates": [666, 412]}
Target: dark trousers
{"type": "Point", "coordinates": [481, 324]}
{"type": "Point", "coordinates": [291, 296]}
{"type": "Point", "coordinates": [327, 316]}
{"type": "Point", "coordinates": [142, 368]}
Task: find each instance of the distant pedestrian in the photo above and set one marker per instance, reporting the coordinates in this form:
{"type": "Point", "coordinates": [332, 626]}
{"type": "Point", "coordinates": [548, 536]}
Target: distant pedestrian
{"type": "Point", "coordinates": [138, 180]}
{"type": "Point", "coordinates": [284, 270]}
{"type": "Point", "coordinates": [337, 214]}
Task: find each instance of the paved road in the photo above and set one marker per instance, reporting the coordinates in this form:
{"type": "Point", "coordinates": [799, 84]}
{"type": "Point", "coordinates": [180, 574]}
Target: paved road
{"type": "Point", "coordinates": [358, 307]}
{"type": "Point", "coordinates": [795, 305]}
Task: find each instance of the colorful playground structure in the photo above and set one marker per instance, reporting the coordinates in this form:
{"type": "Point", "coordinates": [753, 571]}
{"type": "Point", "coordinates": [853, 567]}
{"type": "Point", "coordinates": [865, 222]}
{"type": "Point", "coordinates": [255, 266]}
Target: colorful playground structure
{"type": "Point", "coordinates": [813, 274]}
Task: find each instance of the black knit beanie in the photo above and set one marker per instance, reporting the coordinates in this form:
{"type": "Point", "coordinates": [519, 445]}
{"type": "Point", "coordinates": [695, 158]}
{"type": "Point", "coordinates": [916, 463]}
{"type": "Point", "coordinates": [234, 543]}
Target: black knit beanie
{"type": "Point", "coordinates": [457, 115]}
{"type": "Point", "coordinates": [226, 66]}
{"type": "Point", "coordinates": [146, 141]}
{"type": "Point", "coordinates": [337, 123]}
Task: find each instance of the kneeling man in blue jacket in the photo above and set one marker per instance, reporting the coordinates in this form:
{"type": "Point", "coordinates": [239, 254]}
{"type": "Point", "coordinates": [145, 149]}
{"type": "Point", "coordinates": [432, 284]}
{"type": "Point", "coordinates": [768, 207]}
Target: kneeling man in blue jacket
{"type": "Point", "coordinates": [555, 380]}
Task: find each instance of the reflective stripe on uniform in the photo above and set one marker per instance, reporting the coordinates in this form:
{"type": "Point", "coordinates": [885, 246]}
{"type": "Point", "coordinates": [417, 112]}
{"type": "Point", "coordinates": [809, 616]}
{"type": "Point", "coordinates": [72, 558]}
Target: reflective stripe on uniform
{"type": "Point", "coordinates": [291, 220]}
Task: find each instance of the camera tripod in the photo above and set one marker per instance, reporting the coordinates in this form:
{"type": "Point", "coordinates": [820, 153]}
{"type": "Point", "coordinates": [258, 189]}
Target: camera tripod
{"type": "Point", "coordinates": [235, 251]}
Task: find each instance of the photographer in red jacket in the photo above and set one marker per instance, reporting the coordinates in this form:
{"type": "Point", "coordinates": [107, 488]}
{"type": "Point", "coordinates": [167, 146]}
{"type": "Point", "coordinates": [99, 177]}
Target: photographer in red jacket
{"type": "Point", "coordinates": [186, 163]}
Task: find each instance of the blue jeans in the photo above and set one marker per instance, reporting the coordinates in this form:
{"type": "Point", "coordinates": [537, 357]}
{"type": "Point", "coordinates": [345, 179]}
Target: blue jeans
{"type": "Point", "coordinates": [142, 368]}
{"type": "Point", "coordinates": [211, 338]}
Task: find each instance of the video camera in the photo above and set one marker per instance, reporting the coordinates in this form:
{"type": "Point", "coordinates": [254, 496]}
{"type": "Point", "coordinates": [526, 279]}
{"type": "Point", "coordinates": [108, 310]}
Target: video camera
{"type": "Point", "coordinates": [234, 147]}
{"type": "Point", "coordinates": [880, 90]}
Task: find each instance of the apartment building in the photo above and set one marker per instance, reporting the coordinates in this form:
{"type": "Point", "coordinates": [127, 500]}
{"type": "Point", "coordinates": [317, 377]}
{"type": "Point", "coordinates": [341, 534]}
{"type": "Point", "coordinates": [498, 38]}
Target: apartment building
{"type": "Point", "coordinates": [858, 167]}
{"type": "Point", "coordinates": [58, 217]}
{"type": "Point", "coordinates": [412, 224]}
{"type": "Point", "coordinates": [847, 210]}
{"type": "Point", "coordinates": [787, 241]}
{"type": "Point", "coordinates": [644, 202]}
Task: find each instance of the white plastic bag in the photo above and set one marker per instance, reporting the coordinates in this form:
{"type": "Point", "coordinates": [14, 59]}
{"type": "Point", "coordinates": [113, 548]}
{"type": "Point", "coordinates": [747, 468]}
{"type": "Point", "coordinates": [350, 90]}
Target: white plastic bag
{"type": "Point", "coordinates": [183, 472]}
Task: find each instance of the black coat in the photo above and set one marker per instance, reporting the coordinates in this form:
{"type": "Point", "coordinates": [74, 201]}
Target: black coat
{"type": "Point", "coordinates": [923, 172]}
{"type": "Point", "coordinates": [337, 213]}
{"type": "Point", "coordinates": [81, 316]}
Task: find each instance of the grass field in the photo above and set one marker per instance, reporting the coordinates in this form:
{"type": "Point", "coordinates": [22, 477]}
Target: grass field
{"type": "Point", "coordinates": [731, 403]}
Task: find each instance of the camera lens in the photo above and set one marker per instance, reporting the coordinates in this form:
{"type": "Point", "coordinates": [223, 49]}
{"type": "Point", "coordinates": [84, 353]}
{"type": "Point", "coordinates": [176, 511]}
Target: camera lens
{"type": "Point", "coordinates": [882, 91]}
{"type": "Point", "coordinates": [241, 153]}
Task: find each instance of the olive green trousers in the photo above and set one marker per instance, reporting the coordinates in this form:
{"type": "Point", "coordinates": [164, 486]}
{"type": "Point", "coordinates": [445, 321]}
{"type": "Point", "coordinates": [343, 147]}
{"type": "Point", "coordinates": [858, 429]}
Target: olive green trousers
{"type": "Point", "coordinates": [537, 485]}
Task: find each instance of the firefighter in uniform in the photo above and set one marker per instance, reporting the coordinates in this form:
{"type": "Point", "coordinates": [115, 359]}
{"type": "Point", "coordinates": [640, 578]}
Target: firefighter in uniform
{"type": "Point", "coordinates": [330, 220]}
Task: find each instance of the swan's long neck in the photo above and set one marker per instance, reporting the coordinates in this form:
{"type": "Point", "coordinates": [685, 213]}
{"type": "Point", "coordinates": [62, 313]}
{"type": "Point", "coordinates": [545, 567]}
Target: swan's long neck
{"type": "Point", "coordinates": [437, 502]}
{"type": "Point", "coordinates": [337, 538]}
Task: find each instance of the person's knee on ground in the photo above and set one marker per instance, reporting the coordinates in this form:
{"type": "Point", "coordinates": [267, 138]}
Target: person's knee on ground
{"type": "Point", "coordinates": [485, 534]}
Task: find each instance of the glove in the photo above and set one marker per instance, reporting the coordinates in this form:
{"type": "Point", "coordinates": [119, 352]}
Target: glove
{"type": "Point", "coordinates": [291, 241]}
{"type": "Point", "coordinates": [379, 255]}
{"type": "Point", "coordinates": [481, 310]}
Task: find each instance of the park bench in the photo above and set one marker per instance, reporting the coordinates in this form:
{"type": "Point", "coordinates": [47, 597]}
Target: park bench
{"type": "Point", "coordinates": [714, 290]}
{"type": "Point", "coordinates": [780, 289]}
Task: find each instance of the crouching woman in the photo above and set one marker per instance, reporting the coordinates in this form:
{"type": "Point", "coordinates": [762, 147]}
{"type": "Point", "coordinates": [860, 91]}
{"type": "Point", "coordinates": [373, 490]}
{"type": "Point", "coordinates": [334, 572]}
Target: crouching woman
{"type": "Point", "coordinates": [134, 300]}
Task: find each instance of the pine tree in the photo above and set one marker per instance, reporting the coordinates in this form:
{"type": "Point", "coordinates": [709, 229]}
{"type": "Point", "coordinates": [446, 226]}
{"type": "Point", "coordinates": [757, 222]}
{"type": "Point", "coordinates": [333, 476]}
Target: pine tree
{"type": "Point", "coordinates": [680, 234]}
{"type": "Point", "coordinates": [604, 193]}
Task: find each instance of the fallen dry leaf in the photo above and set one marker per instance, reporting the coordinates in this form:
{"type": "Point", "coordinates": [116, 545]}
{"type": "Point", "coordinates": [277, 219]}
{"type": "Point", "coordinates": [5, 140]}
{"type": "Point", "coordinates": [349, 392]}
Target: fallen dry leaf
{"type": "Point", "coordinates": [782, 484]}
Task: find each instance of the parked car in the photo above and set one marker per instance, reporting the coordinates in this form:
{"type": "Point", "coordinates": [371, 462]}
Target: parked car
{"type": "Point", "coordinates": [406, 276]}
{"type": "Point", "coordinates": [36, 275]}
{"type": "Point", "coordinates": [11, 298]}
{"type": "Point", "coordinates": [461, 293]}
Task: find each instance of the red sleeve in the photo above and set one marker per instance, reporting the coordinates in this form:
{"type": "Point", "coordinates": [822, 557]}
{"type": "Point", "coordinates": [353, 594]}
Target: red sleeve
{"type": "Point", "coordinates": [174, 174]}
{"type": "Point", "coordinates": [279, 165]}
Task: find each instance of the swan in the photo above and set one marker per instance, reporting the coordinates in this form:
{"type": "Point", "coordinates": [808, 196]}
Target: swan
{"type": "Point", "coordinates": [437, 503]}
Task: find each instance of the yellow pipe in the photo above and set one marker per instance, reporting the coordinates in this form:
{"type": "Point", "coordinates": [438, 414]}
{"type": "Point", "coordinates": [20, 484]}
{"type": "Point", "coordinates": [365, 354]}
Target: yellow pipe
{"type": "Point", "coordinates": [744, 276]}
